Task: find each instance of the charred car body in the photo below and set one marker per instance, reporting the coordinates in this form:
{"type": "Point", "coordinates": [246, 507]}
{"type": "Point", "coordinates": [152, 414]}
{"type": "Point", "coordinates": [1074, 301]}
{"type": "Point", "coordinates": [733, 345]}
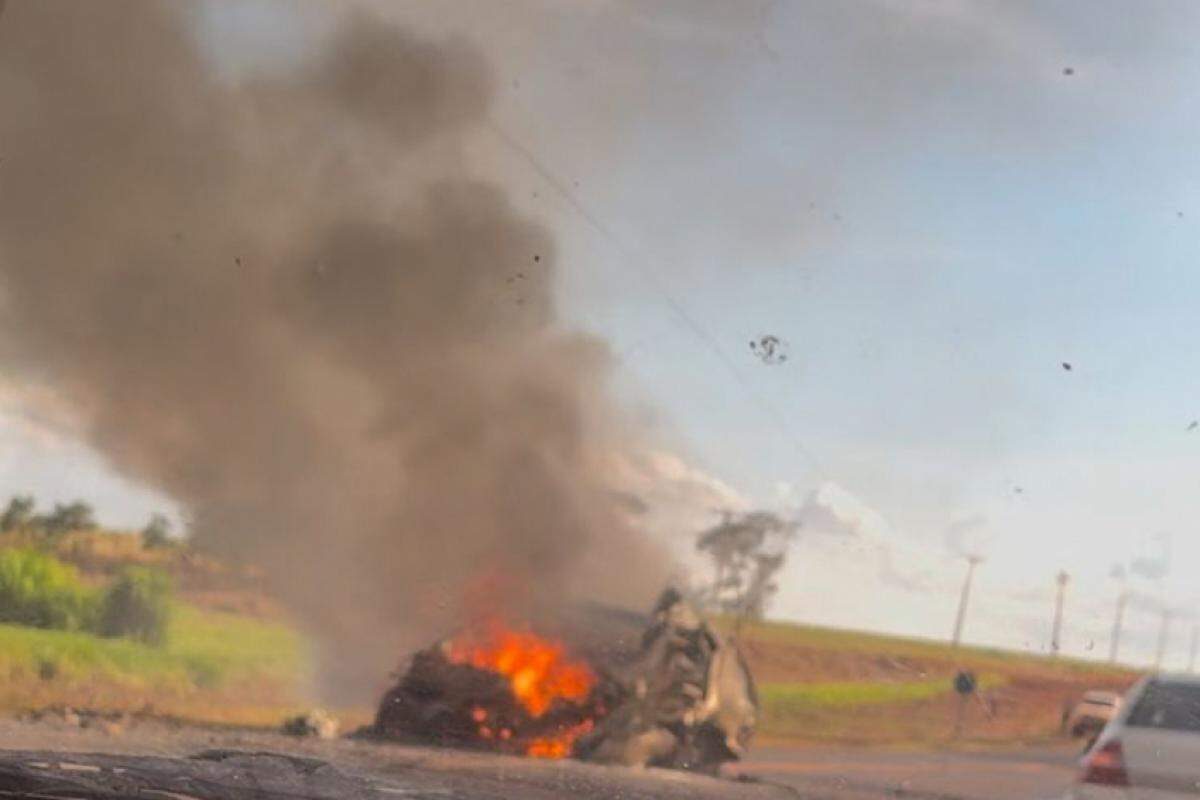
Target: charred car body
{"type": "Point", "coordinates": [683, 699]}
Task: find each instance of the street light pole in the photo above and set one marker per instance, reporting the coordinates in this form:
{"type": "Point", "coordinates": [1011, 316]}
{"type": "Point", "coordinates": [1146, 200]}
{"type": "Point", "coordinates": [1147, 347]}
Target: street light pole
{"type": "Point", "coordinates": [972, 562]}
{"type": "Point", "coordinates": [1115, 645]}
{"type": "Point", "coordinates": [1055, 641]}
{"type": "Point", "coordinates": [1162, 639]}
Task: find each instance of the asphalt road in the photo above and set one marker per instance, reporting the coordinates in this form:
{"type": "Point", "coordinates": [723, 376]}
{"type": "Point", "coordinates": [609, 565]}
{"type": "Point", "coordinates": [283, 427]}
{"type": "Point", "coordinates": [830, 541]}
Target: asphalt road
{"type": "Point", "coordinates": [52, 759]}
{"type": "Point", "coordinates": [1027, 774]}
{"type": "Point", "coordinates": [775, 772]}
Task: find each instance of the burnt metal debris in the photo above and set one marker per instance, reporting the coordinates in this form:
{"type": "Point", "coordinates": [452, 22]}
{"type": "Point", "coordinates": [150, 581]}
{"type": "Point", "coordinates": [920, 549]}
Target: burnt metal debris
{"type": "Point", "coordinates": [689, 701]}
{"type": "Point", "coordinates": [316, 723]}
{"type": "Point", "coordinates": [685, 699]}
{"type": "Point", "coordinates": [438, 701]}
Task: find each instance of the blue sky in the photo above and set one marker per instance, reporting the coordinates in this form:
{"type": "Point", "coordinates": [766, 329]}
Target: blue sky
{"type": "Point", "coordinates": [932, 215]}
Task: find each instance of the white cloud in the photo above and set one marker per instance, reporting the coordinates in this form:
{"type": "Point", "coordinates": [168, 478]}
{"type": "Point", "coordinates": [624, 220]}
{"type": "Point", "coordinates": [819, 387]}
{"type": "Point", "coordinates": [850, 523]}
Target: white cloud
{"type": "Point", "coordinates": [832, 509]}
{"type": "Point", "coordinates": [42, 453]}
{"type": "Point", "coordinates": [831, 512]}
{"type": "Point", "coordinates": [672, 497]}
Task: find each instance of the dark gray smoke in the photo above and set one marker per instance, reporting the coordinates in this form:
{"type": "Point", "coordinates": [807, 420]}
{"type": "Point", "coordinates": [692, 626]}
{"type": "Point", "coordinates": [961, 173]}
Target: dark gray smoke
{"type": "Point", "coordinates": [284, 304]}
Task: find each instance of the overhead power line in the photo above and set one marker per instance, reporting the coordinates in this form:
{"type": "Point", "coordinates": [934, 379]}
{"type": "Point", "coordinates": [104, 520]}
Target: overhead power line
{"type": "Point", "coordinates": [641, 263]}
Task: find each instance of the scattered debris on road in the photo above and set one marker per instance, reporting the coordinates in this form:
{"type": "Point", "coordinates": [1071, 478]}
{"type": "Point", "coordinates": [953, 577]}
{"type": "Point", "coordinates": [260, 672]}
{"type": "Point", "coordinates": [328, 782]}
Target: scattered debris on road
{"type": "Point", "coordinates": [316, 723]}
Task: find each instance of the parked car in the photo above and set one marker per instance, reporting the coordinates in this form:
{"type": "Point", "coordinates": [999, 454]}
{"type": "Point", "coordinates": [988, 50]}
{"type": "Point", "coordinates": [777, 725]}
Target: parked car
{"type": "Point", "coordinates": [1151, 748]}
{"type": "Point", "coordinates": [1092, 713]}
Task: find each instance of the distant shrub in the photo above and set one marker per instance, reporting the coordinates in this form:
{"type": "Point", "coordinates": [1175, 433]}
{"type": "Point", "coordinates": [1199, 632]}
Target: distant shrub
{"type": "Point", "coordinates": [40, 591]}
{"type": "Point", "coordinates": [77, 516]}
{"type": "Point", "coordinates": [47, 669]}
{"type": "Point", "coordinates": [137, 605]}
{"type": "Point", "coordinates": [17, 514]}
{"type": "Point", "coordinates": [157, 533]}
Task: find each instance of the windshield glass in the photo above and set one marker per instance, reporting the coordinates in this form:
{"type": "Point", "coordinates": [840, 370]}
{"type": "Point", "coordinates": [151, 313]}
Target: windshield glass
{"type": "Point", "coordinates": [1170, 706]}
{"type": "Point", "coordinates": [775, 392]}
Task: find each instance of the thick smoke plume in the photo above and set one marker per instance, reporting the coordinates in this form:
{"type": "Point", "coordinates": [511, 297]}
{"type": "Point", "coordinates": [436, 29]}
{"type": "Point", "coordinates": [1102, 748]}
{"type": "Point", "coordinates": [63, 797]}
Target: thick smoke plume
{"type": "Point", "coordinates": [282, 303]}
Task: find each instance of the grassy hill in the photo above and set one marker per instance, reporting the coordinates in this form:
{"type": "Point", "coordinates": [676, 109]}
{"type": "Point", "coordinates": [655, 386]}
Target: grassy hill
{"type": "Point", "coordinates": [201, 580]}
{"type": "Point", "coordinates": [844, 687]}
{"type": "Point", "coordinates": [214, 668]}
{"type": "Point", "coordinates": [230, 655]}
{"type": "Point", "coordinates": [233, 657]}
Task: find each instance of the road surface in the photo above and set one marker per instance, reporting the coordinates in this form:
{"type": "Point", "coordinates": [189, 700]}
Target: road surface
{"type": "Point", "coordinates": [397, 770]}
{"type": "Point", "coordinates": [1027, 774]}
{"type": "Point", "coordinates": [53, 759]}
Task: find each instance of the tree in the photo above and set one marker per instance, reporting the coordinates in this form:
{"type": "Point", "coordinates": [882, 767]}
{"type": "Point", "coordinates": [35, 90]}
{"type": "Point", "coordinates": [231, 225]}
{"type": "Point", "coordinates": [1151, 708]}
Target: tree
{"type": "Point", "coordinates": [38, 590]}
{"type": "Point", "coordinates": [157, 533]}
{"type": "Point", "coordinates": [18, 514]}
{"type": "Point", "coordinates": [747, 551]}
{"type": "Point", "coordinates": [137, 605]}
{"type": "Point", "coordinates": [77, 516]}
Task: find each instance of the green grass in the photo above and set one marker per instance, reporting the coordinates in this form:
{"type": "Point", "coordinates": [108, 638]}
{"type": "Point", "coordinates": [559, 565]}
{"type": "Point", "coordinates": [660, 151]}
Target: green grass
{"type": "Point", "coordinates": [208, 656]}
{"type": "Point", "coordinates": [235, 647]}
{"type": "Point", "coordinates": [863, 712]}
{"type": "Point", "coordinates": [785, 698]}
{"type": "Point", "coordinates": [852, 687]}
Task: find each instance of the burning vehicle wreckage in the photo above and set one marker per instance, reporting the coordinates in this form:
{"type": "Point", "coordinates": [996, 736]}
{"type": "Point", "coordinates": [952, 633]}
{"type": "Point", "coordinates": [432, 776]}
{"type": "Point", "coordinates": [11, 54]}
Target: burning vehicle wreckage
{"type": "Point", "coordinates": [683, 699]}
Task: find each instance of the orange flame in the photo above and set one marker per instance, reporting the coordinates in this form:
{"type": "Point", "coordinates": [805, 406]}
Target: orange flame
{"type": "Point", "coordinates": [539, 673]}
{"type": "Point", "coordinates": [538, 670]}
{"type": "Point", "coordinates": [558, 746]}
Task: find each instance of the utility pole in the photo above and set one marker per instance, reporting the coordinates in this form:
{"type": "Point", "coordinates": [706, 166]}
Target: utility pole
{"type": "Point", "coordinates": [972, 562]}
{"type": "Point", "coordinates": [1115, 645]}
{"type": "Point", "coordinates": [1062, 578]}
{"type": "Point", "coordinates": [1162, 639]}
{"type": "Point", "coordinates": [1192, 648]}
